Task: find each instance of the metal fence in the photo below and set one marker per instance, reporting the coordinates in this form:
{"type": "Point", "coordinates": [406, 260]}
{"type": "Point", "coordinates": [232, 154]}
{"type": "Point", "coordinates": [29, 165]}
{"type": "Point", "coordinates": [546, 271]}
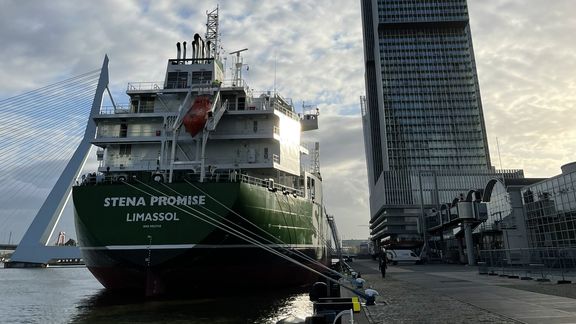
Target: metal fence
{"type": "Point", "coordinates": [542, 264]}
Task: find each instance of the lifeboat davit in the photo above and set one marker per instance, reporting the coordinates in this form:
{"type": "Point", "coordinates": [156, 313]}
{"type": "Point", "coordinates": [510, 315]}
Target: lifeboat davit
{"type": "Point", "coordinates": [197, 115]}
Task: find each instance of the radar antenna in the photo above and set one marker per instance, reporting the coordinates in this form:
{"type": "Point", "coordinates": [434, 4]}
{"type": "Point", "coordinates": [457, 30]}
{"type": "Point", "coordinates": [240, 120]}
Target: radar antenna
{"type": "Point", "coordinates": [238, 66]}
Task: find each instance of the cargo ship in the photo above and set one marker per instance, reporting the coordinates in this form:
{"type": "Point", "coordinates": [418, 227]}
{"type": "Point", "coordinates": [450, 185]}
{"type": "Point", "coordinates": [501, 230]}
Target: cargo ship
{"type": "Point", "coordinates": [202, 183]}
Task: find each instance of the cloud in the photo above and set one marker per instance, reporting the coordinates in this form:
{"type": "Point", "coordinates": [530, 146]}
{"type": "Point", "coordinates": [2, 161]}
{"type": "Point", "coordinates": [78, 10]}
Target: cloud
{"type": "Point", "coordinates": [312, 52]}
{"type": "Point", "coordinates": [526, 58]}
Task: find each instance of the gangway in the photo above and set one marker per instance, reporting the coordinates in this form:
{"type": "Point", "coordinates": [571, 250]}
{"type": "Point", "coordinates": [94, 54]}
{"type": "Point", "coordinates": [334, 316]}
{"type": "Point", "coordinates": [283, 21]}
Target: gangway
{"type": "Point", "coordinates": [335, 235]}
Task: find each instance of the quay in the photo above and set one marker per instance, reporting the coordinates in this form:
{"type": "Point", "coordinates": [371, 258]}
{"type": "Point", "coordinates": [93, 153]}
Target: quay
{"type": "Point", "coordinates": [444, 293]}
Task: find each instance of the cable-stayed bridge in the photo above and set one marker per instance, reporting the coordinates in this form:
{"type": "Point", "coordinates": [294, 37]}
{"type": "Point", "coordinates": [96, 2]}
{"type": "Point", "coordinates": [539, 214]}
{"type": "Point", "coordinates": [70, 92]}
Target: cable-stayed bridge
{"type": "Point", "coordinates": [45, 138]}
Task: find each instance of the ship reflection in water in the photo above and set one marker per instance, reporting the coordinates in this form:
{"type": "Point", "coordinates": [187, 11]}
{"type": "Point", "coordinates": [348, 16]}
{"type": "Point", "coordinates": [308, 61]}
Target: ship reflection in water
{"type": "Point", "coordinates": [241, 307]}
{"type": "Point", "coordinates": [72, 295]}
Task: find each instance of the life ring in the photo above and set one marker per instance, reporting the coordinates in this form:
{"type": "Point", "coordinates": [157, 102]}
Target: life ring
{"type": "Point", "coordinates": [158, 177]}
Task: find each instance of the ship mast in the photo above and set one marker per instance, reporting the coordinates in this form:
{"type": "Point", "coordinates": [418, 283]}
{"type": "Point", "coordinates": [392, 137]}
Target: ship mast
{"type": "Point", "coordinates": [238, 67]}
{"type": "Point", "coordinates": [212, 33]}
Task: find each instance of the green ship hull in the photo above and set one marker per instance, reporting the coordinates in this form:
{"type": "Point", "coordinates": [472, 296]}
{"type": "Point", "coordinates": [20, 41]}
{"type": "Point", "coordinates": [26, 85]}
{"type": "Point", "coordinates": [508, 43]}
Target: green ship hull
{"type": "Point", "coordinates": [158, 237]}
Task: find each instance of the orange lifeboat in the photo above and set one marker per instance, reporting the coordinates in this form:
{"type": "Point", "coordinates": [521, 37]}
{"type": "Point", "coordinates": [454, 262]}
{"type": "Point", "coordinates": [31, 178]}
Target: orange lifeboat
{"type": "Point", "coordinates": [197, 115]}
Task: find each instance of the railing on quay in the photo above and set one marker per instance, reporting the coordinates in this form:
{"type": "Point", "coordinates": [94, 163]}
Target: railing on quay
{"type": "Point", "coordinates": [543, 264]}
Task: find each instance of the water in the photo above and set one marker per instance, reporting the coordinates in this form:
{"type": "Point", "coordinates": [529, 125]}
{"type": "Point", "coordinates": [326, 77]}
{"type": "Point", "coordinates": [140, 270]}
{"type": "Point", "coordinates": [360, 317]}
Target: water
{"type": "Point", "coordinates": [72, 295]}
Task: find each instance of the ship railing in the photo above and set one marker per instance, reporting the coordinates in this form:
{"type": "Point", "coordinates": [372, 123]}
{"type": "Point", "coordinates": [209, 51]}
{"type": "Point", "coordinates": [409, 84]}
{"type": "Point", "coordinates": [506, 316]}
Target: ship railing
{"type": "Point", "coordinates": [265, 131]}
{"type": "Point", "coordinates": [132, 162]}
{"type": "Point", "coordinates": [189, 61]}
{"type": "Point", "coordinates": [145, 86]}
{"type": "Point", "coordinates": [234, 176]}
{"type": "Point", "coordinates": [118, 109]}
{"type": "Point", "coordinates": [286, 111]}
{"type": "Point", "coordinates": [120, 164]}
{"type": "Point", "coordinates": [183, 84]}
{"type": "Point", "coordinates": [238, 84]}
{"type": "Point", "coordinates": [267, 183]}
{"type": "Point", "coordinates": [234, 83]}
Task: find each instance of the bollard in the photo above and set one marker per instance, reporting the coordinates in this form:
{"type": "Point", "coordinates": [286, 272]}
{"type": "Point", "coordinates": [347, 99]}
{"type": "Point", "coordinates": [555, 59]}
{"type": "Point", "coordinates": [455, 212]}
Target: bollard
{"type": "Point", "coordinates": [482, 268]}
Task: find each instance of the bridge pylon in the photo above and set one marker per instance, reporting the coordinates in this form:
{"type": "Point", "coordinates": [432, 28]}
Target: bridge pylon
{"type": "Point", "coordinates": [33, 251]}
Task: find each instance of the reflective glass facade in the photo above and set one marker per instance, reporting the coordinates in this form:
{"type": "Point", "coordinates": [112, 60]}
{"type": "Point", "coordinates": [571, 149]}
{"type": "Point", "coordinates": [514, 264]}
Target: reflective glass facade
{"type": "Point", "coordinates": [500, 220]}
{"type": "Point", "coordinates": [551, 211]}
{"type": "Point", "coordinates": [422, 111]}
{"type": "Point", "coordinates": [431, 99]}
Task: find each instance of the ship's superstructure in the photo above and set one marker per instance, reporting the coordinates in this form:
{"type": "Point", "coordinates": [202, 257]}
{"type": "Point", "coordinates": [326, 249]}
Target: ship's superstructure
{"type": "Point", "coordinates": [190, 151]}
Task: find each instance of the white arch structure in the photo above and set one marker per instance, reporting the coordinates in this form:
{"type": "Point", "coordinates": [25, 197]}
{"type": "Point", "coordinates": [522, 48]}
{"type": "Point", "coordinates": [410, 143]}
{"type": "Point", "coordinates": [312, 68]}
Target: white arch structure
{"type": "Point", "coordinates": [33, 249]}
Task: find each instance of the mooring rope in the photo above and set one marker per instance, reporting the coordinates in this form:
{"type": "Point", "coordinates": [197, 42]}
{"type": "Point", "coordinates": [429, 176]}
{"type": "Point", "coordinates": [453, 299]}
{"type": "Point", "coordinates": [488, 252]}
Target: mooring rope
{"type": "Point", "coordinates": [216, 223]}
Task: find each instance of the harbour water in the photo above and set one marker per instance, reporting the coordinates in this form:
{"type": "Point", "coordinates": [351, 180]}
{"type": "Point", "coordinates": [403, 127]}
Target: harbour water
{"type": "Point", "coordinates": [72, 295]}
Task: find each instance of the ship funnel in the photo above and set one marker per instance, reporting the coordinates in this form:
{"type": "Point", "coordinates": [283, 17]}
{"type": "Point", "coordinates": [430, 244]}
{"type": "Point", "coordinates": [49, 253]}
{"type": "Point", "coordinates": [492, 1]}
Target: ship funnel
{"type": "Point", "coordinates": [184, 51]}
{"type": "Point", "coordinates": [193, 49]}
{"type": "Point", "coordinates": [178, 51]}
{"type": "Point", "coordinates": [197, 39]}
{"type": "Point", "coordinates": [202, 52]}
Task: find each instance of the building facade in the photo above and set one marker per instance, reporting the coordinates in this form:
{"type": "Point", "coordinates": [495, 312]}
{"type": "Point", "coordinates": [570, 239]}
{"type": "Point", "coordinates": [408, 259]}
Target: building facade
{"type": "Point", "coordinates": [497, 222]}
{"type": "Point", "coordinates": [422, 115]}
{"type": "Point", "coordinates": [551, 210]}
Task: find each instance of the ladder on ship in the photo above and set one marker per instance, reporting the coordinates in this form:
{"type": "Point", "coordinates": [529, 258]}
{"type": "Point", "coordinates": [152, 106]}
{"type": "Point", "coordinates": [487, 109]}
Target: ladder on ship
{"type": "Point", "coordinates": [335, 235]}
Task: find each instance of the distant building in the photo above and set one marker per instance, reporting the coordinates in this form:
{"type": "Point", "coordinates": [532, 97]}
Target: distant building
{"type": "Point", "coordinates": [422, 116]}
{"type": "Point", "coordinates": [505, 226]}
{"type": "Point", "coordinates": [496, 214]}
{"type": "Point", "coordinates": [516, 215]}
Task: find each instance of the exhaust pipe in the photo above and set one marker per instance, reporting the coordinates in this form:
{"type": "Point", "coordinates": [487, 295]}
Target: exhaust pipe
{"type": "Point", "coordinates": [178, 48]}
{"type": "Point", "coordinates": [203, 52]}
{"type": "Point", "coordinates": [193, 49]}
{"type": "Point", "coordinates": [197, 39]}
{"type": "Point", "coordinates": [184, 53]}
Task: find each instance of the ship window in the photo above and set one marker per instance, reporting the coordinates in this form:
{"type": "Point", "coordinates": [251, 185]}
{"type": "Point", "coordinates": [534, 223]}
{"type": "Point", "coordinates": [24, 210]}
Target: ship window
{"type": "Point", "coordinates": [311, 188]}
{"type": "Point", "coordinates": [255, 126]}
{"type": "Point", "coordinates": [142, 104]}
{"type": "Point", "coordinates": [241, 103]}
{"type": "Point", "coordinates": [123, 130]}
{"type": "Point", "coordinates": [125, 149]}
{"type": "Point", "coordinates": [266, 153]}
{"type": "Point", "coordinates": [201, 77]}
{"type": "Point", "coordinates": [134, 105]}
{"type": "Point", "coordinates": [146, 105]}
{"type": "Point", "coordinates": [231, 102]}
{"type": "Point", "coordinates": [177, 80]}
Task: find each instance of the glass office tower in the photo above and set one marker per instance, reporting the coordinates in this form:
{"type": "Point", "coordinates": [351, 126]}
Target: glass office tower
{"type": "Point", "coordinates": [424, 129]}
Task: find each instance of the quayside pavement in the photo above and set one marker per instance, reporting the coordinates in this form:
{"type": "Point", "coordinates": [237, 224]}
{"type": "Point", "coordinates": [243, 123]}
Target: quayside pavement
{"type": "Point", "coordinates": [440, 293]}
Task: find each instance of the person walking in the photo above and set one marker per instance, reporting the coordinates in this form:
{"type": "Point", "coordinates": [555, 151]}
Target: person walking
{"type": "Point", "coordinates": [383, 262]}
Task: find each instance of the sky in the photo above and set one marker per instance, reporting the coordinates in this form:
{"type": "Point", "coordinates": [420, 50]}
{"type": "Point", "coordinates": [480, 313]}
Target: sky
{"type": "Point", "coordinates": [311, 51]}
